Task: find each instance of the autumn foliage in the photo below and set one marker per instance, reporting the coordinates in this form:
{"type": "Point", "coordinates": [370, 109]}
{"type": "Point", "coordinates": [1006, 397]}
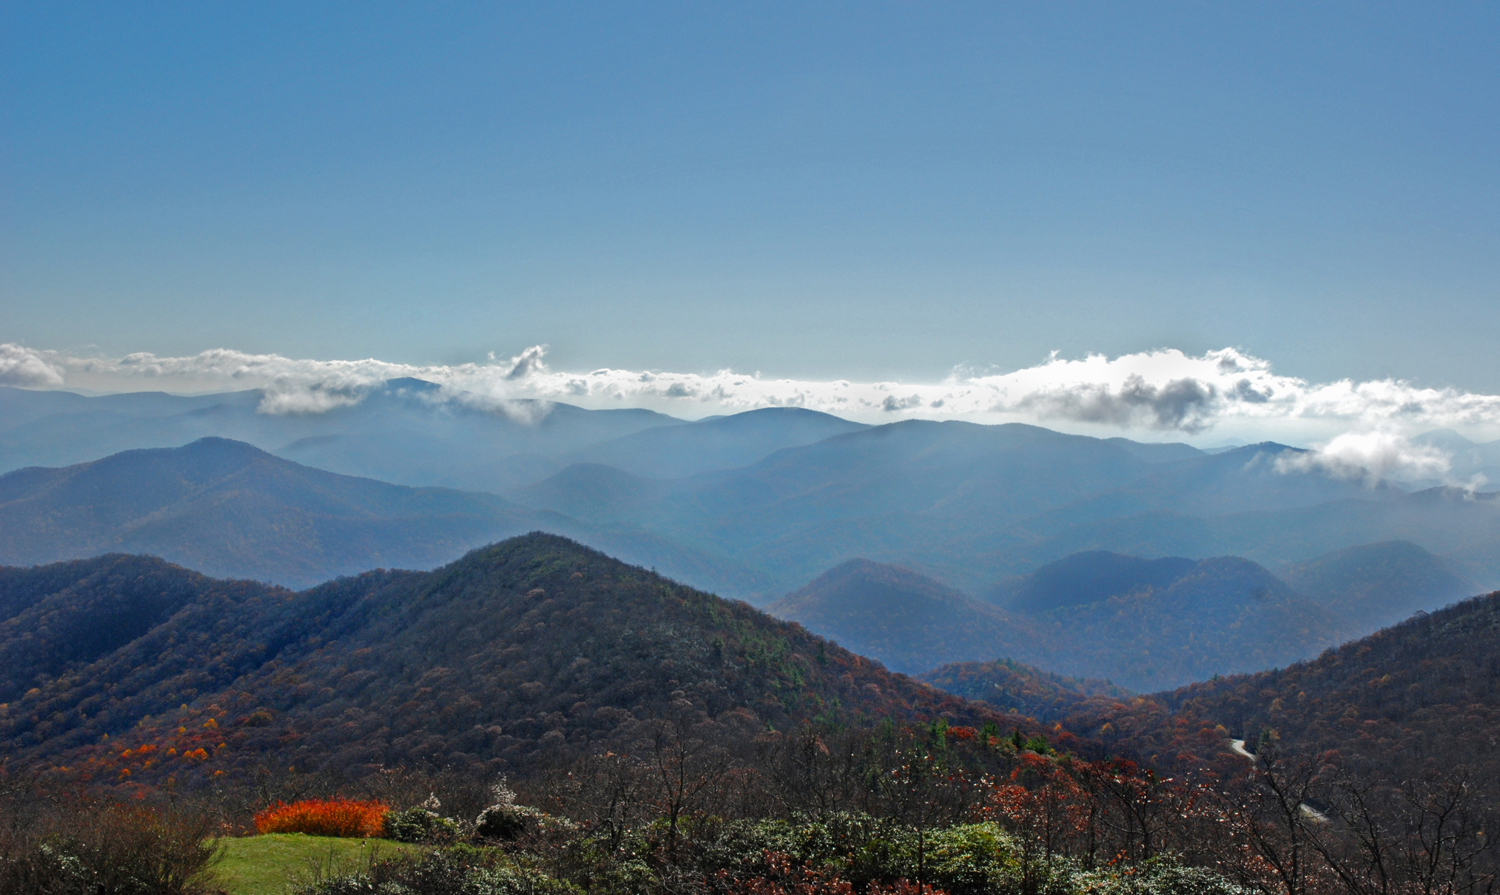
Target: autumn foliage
{"type": "Point", "coordinates": [324, 817]}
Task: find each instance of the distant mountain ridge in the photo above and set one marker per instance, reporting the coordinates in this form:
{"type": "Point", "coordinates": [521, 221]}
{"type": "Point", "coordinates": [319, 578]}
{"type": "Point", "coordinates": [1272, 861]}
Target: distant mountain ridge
{"type": "Point", "coordinates": [906, 620]}
{"type": "Point", "coordinates": [726, 442]}
{"type": "Point", "coordinates": [977, 504]}
{"type": "Point", "coordinates": [1219, 615]}
{"type": "Point", "coordinates": [405, 431]}
{"type": "Point", "coordinates": [1143, 624]}
{"type": "Point", "coordinates": [236, 511]}
{"type": "Point", "coordinates": [756, 504]}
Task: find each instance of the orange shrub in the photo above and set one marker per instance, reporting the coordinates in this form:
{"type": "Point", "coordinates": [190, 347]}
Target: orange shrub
{"type": "Point", "coordinates": [323, 817]}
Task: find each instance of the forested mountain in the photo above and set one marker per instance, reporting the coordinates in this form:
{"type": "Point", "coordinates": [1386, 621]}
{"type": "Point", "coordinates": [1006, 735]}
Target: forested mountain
{"type": "Point", "coordinates": [230, 509]}
{"type": "Point", "coordinates": [1021, 689]}
{"type": "Point", "coordinates": [1217, 616]}
{"type": "Point", "coordinates": [1420, 695]}
{"type": "Point", "coordinates": [1413, 704]}
{"type": "Point", "coordinates": [1227, 614]}
{"type": "Point", "coordinates": [534, 647]}
{"type": "Point", "coordinates": [70, 614]}
{"type": "Point", "coordinates": [1387, 740]}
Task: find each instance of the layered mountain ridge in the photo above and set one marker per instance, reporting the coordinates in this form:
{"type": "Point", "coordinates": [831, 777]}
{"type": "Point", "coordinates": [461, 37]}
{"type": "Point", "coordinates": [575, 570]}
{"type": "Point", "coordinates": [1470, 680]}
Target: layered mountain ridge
{"type": "Point", "coordinates": [755, 504]}
{"type": "Point", "coordinates": [1143, 624]}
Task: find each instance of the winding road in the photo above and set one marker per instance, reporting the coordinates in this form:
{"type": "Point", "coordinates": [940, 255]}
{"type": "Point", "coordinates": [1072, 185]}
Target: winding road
{"type": "Point", "coordinates": [1238, 748]}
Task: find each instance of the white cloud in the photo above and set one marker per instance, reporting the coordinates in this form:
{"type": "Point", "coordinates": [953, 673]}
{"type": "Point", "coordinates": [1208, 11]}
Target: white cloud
{"type": "Point", "coordinates": [27, 368]}
{"type": "Point", "coordinates": [1373, 456]}
{"type": "Point", "coordinates": [1164, 391]}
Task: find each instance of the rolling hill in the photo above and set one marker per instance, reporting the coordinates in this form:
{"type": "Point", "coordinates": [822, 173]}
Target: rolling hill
{"type": "Point", "coordinates": [531, 648]}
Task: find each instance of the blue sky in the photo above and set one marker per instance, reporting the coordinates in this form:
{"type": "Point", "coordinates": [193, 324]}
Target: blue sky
{"type": "Point", "coordinates": [871, 190]}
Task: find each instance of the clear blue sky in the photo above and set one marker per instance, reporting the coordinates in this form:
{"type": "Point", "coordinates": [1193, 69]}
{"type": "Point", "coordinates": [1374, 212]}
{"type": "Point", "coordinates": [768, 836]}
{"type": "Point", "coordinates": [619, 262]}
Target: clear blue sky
{"type": "Point", "coordinates": [855, 190]}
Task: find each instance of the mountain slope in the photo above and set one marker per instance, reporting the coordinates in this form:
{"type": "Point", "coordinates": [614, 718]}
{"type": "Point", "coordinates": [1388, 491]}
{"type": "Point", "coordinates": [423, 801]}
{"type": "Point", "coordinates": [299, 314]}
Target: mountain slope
{"type": "Point", "coordinates": [1419, 697]}
{"type": "Point", "coordinates": [1227, 614]}
{"type": "Point", "coordinates": [531, 648]}
{"type": "Point", "coordinates": [57, 617]}
{"type": "Point", "coordinates": [906, 620]}
{"type": "Point", "coordinates": [1375, 585]}
{"type": "Point", "coordinates": [1085, 578]}
{"type": "Point", "coordinates": [1015, 687]}
{"type": "Point", "coordinates": [231, 509]}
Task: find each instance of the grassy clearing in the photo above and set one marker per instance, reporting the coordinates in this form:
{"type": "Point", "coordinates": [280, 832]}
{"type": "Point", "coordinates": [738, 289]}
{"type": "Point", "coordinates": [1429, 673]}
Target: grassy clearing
{"type": "Point", "coordinates": [268, 865]}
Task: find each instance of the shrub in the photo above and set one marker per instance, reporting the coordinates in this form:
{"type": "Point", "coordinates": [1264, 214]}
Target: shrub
{"type": "Point", "coordinates": [1159, 876]}
{"type": "Point", "coordinates": [454, 872]}
{"type": "Point", "coordinates": [506, 823]}
{"type": "Point", "coordinates": [420, 825]}
{"type": "Point", "coordinates": [87, 847]}
{"type": "Point", "coordinates": [324, 817]}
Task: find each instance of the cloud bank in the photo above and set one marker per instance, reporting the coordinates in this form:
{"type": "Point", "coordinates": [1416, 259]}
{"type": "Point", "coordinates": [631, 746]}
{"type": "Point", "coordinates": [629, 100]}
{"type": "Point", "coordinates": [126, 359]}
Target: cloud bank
{"type": "Point", "coordinates": [1165, 391]}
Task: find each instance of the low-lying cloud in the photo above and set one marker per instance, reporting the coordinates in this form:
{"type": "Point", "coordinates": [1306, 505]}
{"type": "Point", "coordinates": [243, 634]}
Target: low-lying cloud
{"type": "Point", "coordinates": [1372, 456]}
{"type": "Point", "coordinates": [1163, 391]}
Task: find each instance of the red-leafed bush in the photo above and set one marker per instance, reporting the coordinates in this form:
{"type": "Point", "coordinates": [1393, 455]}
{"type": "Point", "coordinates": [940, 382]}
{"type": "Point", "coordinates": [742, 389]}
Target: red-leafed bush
{"type": "Point", "coordinates": [324, 817]}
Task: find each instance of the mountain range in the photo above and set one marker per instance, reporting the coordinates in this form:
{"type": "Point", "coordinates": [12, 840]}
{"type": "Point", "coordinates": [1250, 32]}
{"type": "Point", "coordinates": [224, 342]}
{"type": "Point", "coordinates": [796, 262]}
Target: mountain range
{"type": "Point", "coordinates": [230, 509]}
{"type": "Point", "coordinates": [405, 431]}
{"type": "Point", "coordinates": [976, 505]}
{"type": "Point", "coordinates": [531, 648]}
{"type": "Point", "coordinates": [756, 504]}
{"type": "Point", "coordinates": [1142, 624]}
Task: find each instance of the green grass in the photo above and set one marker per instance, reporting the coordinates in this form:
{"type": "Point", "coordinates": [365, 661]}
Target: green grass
{"type": "Point", "coordinates": [269, 865]}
